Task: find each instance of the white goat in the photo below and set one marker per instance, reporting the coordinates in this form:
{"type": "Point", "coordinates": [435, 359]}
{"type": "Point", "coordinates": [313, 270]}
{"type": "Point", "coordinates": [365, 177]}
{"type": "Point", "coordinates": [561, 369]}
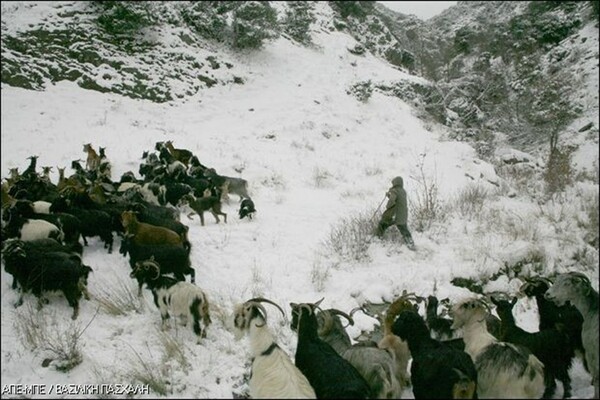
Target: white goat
{"type": "Point", "coordinates": [503, 369]}
{"type": "Point", "coordinates": [576, 288]}
{"type": "Point", "coordinates": [273, 374]}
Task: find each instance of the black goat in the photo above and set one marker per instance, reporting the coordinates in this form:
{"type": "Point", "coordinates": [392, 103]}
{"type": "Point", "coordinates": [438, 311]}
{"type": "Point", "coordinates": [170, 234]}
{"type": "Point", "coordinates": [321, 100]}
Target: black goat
{"type": "Point", "coordinates": [46, 245]}
{"type": "Point", "coordinates": [565, 317]}
{"type": "Point", "coordinates": [41, 271]}
{"type": "Point", "coordinates": [440, 328]}
{"type": "Point", "coordinates": [171, 258]}
{"type": "Point", "coordinates": [550, 346]}
{"type": "Point", "coordinates": [328, 373]}
{"type": "Point", "coordinates": [376, 365]}
{"type": "Point", "coordinates": [94, 222]}
{"type": "Point", "coordinates": [438, 371]}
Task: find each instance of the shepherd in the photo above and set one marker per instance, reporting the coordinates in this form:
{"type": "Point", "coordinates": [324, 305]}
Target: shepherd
{"type": "Point", "coordinates": [396, 212]}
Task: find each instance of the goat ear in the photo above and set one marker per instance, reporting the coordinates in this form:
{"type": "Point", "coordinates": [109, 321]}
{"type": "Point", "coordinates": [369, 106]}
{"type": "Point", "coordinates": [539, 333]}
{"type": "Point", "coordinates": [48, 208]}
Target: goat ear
{"type": "Point", "coordinates": [513, 301]}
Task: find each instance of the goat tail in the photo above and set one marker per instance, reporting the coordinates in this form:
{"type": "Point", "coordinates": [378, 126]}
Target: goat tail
{"type": "Point", "coordinates": [534, 371]}
{"type": "Point", "coordinates": [464, 387]}
{"type": "Point", "coordinates": [195, 311]}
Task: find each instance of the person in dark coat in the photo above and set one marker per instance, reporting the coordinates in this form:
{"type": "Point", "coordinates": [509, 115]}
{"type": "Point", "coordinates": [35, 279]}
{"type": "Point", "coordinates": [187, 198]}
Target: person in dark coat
{"type": "Point", "coordinates": [396, 212]}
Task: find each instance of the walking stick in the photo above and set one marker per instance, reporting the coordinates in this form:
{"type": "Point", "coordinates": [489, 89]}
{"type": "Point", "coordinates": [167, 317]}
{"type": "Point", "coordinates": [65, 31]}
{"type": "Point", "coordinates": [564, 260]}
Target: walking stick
{"type": "Point", "coordinates": [380, 204]}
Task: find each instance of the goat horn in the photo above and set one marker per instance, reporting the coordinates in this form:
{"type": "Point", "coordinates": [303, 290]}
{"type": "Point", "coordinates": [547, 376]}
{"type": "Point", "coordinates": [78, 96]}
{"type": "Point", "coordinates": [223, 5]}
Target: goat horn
{"type": "Point", "coordinates": [316, 305]}
{"type": "Point", "coordinates": [546, 280]}
{"type": "Point", "coordinates": [343, 314]}
{"type": "Point", "coordinates": [305, 306]}
{"type": "Point", "coordinates": [327, 323]}
{"type": "Point", "coordinates": [263, 300]}
{"type": "Point", "coordinates": [261, 309]}
{"type": "Point", "coordinates": [157, 267]}
{"type": "Point", "coordinates": [355, 309]}
{"type": "Point", "coordinates": [485, 304]}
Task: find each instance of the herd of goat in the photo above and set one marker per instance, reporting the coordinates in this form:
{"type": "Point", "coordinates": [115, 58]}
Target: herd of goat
{"type": "Point", "coordinates": [43, 225]}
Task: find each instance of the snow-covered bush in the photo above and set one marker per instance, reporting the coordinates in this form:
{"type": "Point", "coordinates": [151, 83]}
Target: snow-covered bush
{"type": "Point", "coordinates": [470, 200]}
{"type": "Point", "coordinates": [253, 23]}
{"type": "Point", "coordinates": [124, 17]}
{"type": "Point", "coordinates": [361, 90]}
{"type": "Point", "coordinates": [350, 238]}
{"type": "Point", "coordinates": [297, 20]}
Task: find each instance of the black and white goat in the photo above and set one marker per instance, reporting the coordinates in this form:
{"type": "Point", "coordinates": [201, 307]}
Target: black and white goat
{"type": "Point", "coordinates": [330, 375]}
{"type": "Point", "coordinates": [27, 229]}
{"type": "Point", "coordinates": [504, 370]}
{"type": "Point", "coordinates": [576, 288]}
{"type": "Point", "coordinates": [376, 365]}
{"type": "Point", "coordinates": [438, 370]}
{"type": "Point", "coordinates": [273, 375]}
{"type": "Point", "coordinates": [247, 208]}
{"type": "Point", "coordinates": [173, 297]}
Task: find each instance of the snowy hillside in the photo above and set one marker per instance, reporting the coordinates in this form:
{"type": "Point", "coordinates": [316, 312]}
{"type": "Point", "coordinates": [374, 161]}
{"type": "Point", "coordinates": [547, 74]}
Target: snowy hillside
{"type": "Point", "coordinates": [316, 159]}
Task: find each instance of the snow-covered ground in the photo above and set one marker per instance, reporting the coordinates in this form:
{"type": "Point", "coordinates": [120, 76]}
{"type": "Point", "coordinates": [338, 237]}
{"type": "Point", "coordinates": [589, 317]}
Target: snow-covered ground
{"type": "Point", "coordinates": [313, 156]}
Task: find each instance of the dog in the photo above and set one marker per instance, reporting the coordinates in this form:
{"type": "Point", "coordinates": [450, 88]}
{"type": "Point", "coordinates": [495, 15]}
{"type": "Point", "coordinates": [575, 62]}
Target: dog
{"type": "Point", "coordinates": [201, 204]}
{"type": "Point", "coordinates": [247, 208]}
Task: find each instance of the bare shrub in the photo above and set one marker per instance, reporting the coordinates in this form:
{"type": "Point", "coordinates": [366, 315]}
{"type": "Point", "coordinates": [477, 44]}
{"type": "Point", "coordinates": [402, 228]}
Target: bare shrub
{"type": "Point", "coordinates": [518, 228]}
{"type": "Point", "coordinates": [427, 207]}
{"type": "Point", "coordinates": [321, 177]}
{"type": "Point", "coordinates": [148, 372]}
{"type": "Point", "coordinates": [350, 238]}
{"type": "Point", "coordinates": [373, 170]}
{"type": "Point", "coordinates": [61, 347]}
{"type": "Point", "coordinates": [275, 180]}
{"type": "Point", "coordinates": [319, 275]}
{"type": "Point", "coordinates": [470, 200]}
{"type": "Point", "coordinates": [588, 219]}
{"type": "Point", "coordinates": [117, 297]}
{"type": "Point", "coordinates": [524, 178]}
{"type": "Point", "coordinates": [174, 349]}
{"type": "Point", "coordinates": [586, 258]}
